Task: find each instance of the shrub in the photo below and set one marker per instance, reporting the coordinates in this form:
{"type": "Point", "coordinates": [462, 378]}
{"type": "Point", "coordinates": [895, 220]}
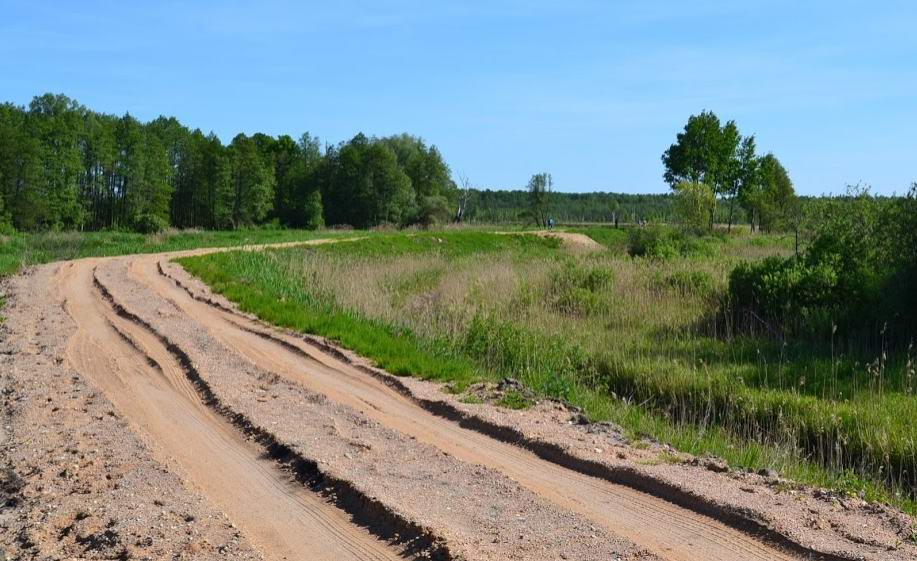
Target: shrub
{"type": "Point", "coordinates": [514, 400]}
{"type": "Point", "coordinates": [272, 224]}
{"type": "Point", "coordinates": [776, 289]}
{"type": "Point", "coordinates": [858, 273]}
{"type": "Point", "coordinates": [660, 242]}
{"type": "Point", "coordinates": [148, 223]}
{"type": "Point", "coordinates": [6, 226]}
{"type": "Point", "coordinates": [312, 216]}
{"type": "Point", "coordinates": [654, 241]}
{"type": "Point", "coordinates": [433, 210]}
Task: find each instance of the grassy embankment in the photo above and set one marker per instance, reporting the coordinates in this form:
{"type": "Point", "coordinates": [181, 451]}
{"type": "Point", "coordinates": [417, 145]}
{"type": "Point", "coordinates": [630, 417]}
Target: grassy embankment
{"type": "Point", "coordinates": [631, 340]}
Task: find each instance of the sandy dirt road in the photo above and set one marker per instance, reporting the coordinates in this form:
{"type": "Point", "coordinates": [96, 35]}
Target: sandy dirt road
{"type": "Point", "coordinates": [135, 358]}
{"type": "Point", "coordinates": [281, 517]}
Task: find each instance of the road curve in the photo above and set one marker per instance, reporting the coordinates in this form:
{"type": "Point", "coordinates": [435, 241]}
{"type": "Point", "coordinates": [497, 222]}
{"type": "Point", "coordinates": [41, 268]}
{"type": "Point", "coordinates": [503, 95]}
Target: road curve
{"type": "Point", "coordinates": [669, 531]}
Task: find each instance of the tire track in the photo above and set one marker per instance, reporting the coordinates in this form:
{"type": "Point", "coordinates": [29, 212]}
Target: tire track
{"type": "Point", "coordinates": [482, 514]}
{"type": "Point", "coordinates": [262, 486]}
{"type": "Point", "coordinates": [677, 533]}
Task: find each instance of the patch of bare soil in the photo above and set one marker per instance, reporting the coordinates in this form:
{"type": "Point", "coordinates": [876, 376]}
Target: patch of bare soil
{"type": "Point", "coordinates": [76, 481]}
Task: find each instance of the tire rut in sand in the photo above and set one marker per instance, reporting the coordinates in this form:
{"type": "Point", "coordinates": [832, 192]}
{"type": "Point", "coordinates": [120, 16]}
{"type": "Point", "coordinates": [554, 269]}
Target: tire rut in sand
{"type": "Point", "coordinates": [149, 384]}
{"type": "Point", "coordinates": [670, 531]}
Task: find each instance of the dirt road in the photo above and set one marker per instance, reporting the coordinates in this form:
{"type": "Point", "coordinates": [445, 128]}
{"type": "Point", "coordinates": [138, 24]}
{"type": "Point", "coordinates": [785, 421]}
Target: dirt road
{"type": "Point", "coordinates": [310, 457]}
{"type": "Point", "coordinates": [679, 534]}
{"type": "Point", "coordinates": [278, 514]}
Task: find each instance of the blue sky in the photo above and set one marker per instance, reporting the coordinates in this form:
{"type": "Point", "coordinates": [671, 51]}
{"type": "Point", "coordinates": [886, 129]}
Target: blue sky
{"type": "Point", "coordinates": [592, 92]}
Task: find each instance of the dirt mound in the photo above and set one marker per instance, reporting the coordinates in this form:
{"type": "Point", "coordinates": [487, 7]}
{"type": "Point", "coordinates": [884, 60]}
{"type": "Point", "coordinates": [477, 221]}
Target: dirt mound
{"type": "Point", "coordinates": [573, 240]}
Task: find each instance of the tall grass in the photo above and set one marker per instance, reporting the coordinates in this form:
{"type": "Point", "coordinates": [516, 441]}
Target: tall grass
{"type": "Point", "coordinates": [627, 339]}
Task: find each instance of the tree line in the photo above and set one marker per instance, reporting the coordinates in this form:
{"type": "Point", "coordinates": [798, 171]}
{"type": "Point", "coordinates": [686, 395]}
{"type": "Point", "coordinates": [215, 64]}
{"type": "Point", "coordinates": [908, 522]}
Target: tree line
{"type": "Point", "coordinates": [494, 206]}
{"type": "Point", "coordinates": [63, 166]}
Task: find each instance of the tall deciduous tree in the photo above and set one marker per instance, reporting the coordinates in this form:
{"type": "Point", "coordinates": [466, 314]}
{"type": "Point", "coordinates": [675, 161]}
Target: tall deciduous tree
{"type": "Point", "coordinates": [213, 179]}
{"type": "Point", "coordinates": [742, 174]}
{"type": "Point", "coordinates": [720, 158]}
{"type": "Point", "coordinates": [365, 186]}
{"type": "Point", "coordinates": [251, 183]}
{"type": "Point", "coordinates": [307, 199]}
{"type": "Point", "coordinates": [704, 152]}
{"type": "Point", "coordinates": [150, 212]}
{"type": "Point", "coordinates": [778, 193]}
{"type": "Point", "coordinates": [56, 122]}
{"type": "Point", "coordinates": [130, 168]}
{"type": "Point", "coordinates": [696, 155]}
{"type": "Point", "coordinates": [769, 199]}
{"type": "Point", "coordinates": [288, 171]}
{"type": "Point", "coordinates": [424, 166]}
{"type": "Point", "coordinates": [20, 168]}
{"type": "Point", "coordinates": [539, 188]}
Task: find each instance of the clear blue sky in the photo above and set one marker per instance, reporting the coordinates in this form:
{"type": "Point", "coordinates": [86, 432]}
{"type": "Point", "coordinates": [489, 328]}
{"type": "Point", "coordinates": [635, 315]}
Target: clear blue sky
{"type": "Point", "coordinates": [592, 92]}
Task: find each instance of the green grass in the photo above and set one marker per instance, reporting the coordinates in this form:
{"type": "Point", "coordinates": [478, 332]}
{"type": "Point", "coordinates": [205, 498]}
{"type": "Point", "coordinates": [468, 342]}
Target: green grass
{"type": "Point", "coordinates": [627, 339]}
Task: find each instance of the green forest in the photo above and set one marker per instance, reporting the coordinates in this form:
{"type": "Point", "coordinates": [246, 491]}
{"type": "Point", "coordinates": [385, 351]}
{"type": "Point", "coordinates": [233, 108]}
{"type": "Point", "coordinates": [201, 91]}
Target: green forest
{"type": "Point", "coordinates": [64, 166]}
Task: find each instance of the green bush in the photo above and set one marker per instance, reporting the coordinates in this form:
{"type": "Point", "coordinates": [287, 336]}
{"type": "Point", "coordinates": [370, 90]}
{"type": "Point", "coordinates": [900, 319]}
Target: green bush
{"type": "Point", "coordinates": [857, 275]}
{"type": "Point", "coordinates": [655, 242]}
{"type": "Point", "coordinates": [434, 210]}
{"type": "Point", "coordinates": [150, 223]}
{"type": "Point", "coordinates": [312, 216]}
{"type": "Point", "coordinates": [661, 242]}
{"type": "Point", "coordinates": [778, 289]}
{"type": "Point", "coordinates": [6, 227]}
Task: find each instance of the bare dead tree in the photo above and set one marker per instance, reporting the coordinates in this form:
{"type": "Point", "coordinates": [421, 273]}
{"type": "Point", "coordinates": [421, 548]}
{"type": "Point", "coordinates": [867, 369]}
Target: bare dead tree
{"type": "Point", "coordinates": [464, 197]}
